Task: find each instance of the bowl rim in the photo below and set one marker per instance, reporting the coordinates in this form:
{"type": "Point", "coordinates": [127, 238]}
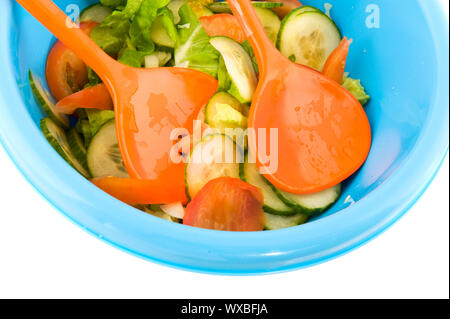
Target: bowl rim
{"type": "Point", "coordinates": [218, 252]}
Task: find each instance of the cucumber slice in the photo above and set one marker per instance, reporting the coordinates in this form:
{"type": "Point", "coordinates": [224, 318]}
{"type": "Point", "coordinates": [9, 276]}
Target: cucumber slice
{"type": "Point", "coordinates": [57, 138]}
{"type": "Point", "coordinates": [84, 129]}
{"type": "Point", "coordinates": [310, 204]}
{"type": "Point", "coordinates": [199, 9]}
{"type": "Point", "coordinates": [223, 116]}
{"type": "Point", "coordinates": [157, 212]}
{"type": "Point", "coordinates": [151, 61]}
{"type": "Point", "coordinates": [157, 59]}
{"type": "Point", "coordinates": [163, 57]}
{"type": "Point", "coordinates": [103, 155]}
{"type": "Point", "coordinates": [239, 67]}
{"type": "Point", "coordinates": [249, 173]}
{"type": "Point", "coordinates": [159, 34]}
{"type": "Point", "coordinates": [214, 156]}
{"type": "Point", "coordinates": [270, 21]}
{"type": "Point", "coordinates": [308, 38]}
{"type": "Point", "coordinates": [223, 7]}
{"type": "Point", "coordinates": [274, 222]}
{"type": "Point", "coordinates": [46, 101]}
{"type": "Point", "coordinates": [307, 9]}
{"type": "Point", "coordinates": [227, 114]}
{"type": "Point", "coordinates": [77, 147]}
{"type": "Point", "coordinates": [225, 111]}
{"type": "Point", "coordinates": [96, 13]}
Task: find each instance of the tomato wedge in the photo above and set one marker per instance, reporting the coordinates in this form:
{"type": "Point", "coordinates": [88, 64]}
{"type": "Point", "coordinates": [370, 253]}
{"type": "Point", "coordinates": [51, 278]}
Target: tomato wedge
{"type": "Point", "coordinates": [288, 6]}
{"type": "Point", "coordinates": [223, 24]}
{"type": "Point", "coordinates": [65, 72]}
{"type": "Point", "coordinates": [94, 97]}
{"type": "Point", "coordinates": [227, 204]}
{"type": "Point", "coordinates": [334, 67]}
{"type": "Point", "coordinates": [88, 26]}
{"type": "Point", "coordinates": [140, 191]}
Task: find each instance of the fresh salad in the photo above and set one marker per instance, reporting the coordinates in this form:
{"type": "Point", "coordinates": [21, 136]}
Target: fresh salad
{"type": "Point", "coordinates": [202, 35]}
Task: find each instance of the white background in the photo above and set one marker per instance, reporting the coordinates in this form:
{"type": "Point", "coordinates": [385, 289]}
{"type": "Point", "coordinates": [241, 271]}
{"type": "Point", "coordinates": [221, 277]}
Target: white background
{"type": "Point", "coordinates": [43, 255]}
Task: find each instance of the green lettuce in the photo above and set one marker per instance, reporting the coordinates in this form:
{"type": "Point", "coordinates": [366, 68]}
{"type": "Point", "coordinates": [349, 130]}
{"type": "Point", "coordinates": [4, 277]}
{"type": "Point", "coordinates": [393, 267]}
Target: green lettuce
{"type": "Point", "coordinates": [246, 45]}
{"type": "Point", "coordinates": [355, 87]}
{"type": "Point", "coordinates": [223, 76]}
{"type": "Point", "coordinates": [111, 34]}
{"type": "Point", "coordinates": [93, 78]}
{"type": "Point", "coordinates": [114, 4]}
{"type": "Point", "coordinates": [126, 33]}
{"type": "Point", "coordinates": [90, 121]}
{"type": "Point", "coordinates": [168, 22]}
{"type": "Point", "coordinates": [142, 22]}
{"type": "Point", "coordinates": [132, 57]}
{"type": "Point", "coordinates": [82, 127]}
{"type": "Point", "coordinates": [193, 49]}
{"type": "Point", "coordinates": [97, 118]}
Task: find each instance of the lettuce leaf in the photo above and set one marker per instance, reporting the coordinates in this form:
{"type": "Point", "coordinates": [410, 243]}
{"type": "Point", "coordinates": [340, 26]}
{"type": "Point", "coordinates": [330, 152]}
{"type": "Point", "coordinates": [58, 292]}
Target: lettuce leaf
{"type": "Point", "coordinates": [194, 50]}
{"type": "Point", "coordinates": [111, 34]}
{"type": "Point", "coordinates": [142, 22]}
{"type": "Point", "coordinates": [90, 121]}
{"type": "Point", "coordinates": [132, 57]}
{"type": "Point", "coordinates": [83, 128]}
{"type": "Point", "coordinates": [125, 33]}
{"type": "Point", "coordinates": [93, 78]}
{"type": "Point", "coordinates": [223, 76]}
{"type": "Point", "coordinates": [246, 45]}
{"type": "Point", "coordinates": [168, 22]}
{"type": "Point", "coordinates": [97, 118]}
{"type": "Point", "coordinates": [114, 4]}
{"type": "Point", "coordinates": [355, 87]}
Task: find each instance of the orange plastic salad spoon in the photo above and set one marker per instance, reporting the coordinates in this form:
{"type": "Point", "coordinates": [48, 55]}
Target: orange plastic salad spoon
{"type": "Point", "coordinates": [148, 103]}
{"type": "Point", "coordinates": [323, 132]}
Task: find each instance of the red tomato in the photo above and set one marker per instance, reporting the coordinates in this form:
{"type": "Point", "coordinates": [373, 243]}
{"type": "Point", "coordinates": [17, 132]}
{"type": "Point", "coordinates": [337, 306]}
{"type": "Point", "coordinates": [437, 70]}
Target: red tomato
{"type": "Point", "coordinates": [223, 24]}
{"type": "Point", "coordinates": [226, 203]}
{"type": "Point", "coordinates": [334, 67]}
{"type": "Point", "coordinates": [88, 26]}
{"type": "Point", "coordinates": [139, 191]}
{"type": "Point", "coordinates": [66, 73]}
{"type": "Point", "coordinates": [94, 97]}
{"type": "Point", "coordinates": [288, 6]}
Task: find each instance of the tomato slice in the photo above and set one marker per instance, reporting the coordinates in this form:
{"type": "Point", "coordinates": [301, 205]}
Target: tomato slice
{"type": "Point", "coordinates": [223, 24]}
{"type": "Point", "coordinates": [94, 97]}
{"type": "Point", "coordinates": [65, 72]}
{"type": "Point", "coordinates": [227, 204]}
{"type": "Point", "coordinates": [88, 26]}
{"type": "Point", "coordinates": [334, 67]}
{"type": "Point", "coordinates": [288, 6]}
{"type": "Point", "coordinates": [140, 191]}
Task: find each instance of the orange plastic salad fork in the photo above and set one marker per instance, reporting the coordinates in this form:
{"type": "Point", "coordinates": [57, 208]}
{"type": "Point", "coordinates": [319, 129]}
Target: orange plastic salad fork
{"type": "Point", "coordinates": [323, 132]}
{"type": "Point", "coordinates": [149, 103]}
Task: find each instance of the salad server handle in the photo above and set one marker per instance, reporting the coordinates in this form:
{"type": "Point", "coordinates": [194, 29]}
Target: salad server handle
{"type": "Point", "coordinates": [247, 17]}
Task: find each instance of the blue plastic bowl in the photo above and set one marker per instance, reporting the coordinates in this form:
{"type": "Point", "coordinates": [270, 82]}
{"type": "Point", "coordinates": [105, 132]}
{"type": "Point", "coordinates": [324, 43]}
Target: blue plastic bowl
{"type": "Point", "coordinates": [403, 64]}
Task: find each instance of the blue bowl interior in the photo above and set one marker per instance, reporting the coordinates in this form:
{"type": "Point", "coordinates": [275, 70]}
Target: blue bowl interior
{"type": "Point", "coordinates": [397, 63]}
{"type": "Point", "coordinates": [397, 108]}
